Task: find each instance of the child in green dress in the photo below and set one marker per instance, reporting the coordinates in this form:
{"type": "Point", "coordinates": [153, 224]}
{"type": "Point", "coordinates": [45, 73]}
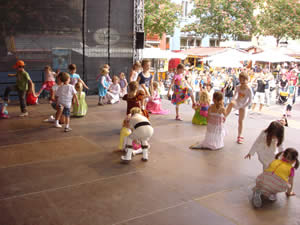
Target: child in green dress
{"type": "Point", "coordinates": [201, 109]}
{"type": "Point", "coordinates": [81, 108]}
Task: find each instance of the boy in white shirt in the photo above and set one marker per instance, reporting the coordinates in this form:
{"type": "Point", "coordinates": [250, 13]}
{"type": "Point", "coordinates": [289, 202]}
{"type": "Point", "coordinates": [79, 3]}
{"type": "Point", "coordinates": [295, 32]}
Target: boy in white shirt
{"type": "Point", "coordinates": [64, 96]}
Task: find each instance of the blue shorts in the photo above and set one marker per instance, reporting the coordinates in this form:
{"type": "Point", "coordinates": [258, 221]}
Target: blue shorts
{"type": "Point", "coordinates": [66, 111]}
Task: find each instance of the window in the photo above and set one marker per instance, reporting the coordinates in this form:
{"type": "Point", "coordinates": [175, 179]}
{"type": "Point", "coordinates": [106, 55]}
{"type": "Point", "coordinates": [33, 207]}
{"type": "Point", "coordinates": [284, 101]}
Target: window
{"type": "Point", "coordinates": [182, 42]}
{"type": "Point", "coordinates": [198, 43]}
{"type": "Point", "coordinates": [214, 43]}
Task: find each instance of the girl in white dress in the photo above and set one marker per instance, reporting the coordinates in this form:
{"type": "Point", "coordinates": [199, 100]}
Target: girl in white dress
{"type": "Point", "coordinates": [267, 143]}
{"type": "Point", "coordinates": [135, 71]}
{"type": "Point", "coordinates": [215, 132]}
{"type": "Point", "coordinates": [113, 94]}
{"type": "Point", "coordinates": [241, 100]}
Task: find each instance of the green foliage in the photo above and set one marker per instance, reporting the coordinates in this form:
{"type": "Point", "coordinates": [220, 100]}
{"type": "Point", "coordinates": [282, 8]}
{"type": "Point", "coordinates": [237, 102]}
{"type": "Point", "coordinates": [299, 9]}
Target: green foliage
{"type": "Point", "coordinates": [161, 16]}
{"type": "Point", "coordinates": [224, 18]}
{"type": "Point", "coordinates": [279, 18]}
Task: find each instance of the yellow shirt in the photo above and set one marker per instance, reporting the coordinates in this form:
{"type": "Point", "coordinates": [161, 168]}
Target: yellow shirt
{"type": "Point", "coordinates": [281, 169]}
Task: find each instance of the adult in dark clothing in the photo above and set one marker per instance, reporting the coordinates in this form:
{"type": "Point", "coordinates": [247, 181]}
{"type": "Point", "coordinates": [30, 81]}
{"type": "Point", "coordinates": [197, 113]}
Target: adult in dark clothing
{"type": "Point", "coordinates": [259, 97]}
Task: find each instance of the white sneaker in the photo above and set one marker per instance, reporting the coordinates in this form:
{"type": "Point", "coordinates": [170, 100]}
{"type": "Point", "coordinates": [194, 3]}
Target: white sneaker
{"type": "Point", "coordinates": [23, 114]}
{"type": "Point", "coordinates": [58, 125]}
{"type": "Point", "coordinates": [50, 119]}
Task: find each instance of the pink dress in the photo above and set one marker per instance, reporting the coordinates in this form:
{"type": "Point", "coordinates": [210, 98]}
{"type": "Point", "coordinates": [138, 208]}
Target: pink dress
{"type": "Point", "coordinates": [215, 133]}
{"type": "Point", "coordinates": [154, 105]}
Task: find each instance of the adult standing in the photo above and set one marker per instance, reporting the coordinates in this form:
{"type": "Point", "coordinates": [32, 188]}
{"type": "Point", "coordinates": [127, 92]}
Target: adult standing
{"type": "Point", "coordinates": [135, 71]}
{"type": "Point", "coordinates": [259, 97]}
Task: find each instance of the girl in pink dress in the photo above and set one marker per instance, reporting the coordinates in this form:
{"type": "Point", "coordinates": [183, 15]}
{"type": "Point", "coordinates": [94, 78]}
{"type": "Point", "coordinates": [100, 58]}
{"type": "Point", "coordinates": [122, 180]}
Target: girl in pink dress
{"type": "Point", "coordinates": [154, 104]}
{"type": "Point", "coordinates": [49, 80]}
{"type": "Point", "coordinates": [181, 90]}
{"type": "Point", "coordinates": [215, 132]}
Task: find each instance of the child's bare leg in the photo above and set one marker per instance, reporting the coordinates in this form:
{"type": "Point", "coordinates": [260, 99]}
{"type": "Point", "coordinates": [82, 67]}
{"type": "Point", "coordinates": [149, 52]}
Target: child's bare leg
{"type": "Point", "coordinates": [253, 106]}
{"type": "Point", "coordinates": [67, 121]}
{"type": "Point", "coordinates": [58, 113]}
{"type": "Point", "coordinates": [58, 116]}
{"type": "Point", "coordinates": [241, 120]}
{"type": "Point", "coordinates": [177, 111]}
{"type": "Point", "coordinates": [260, 107]}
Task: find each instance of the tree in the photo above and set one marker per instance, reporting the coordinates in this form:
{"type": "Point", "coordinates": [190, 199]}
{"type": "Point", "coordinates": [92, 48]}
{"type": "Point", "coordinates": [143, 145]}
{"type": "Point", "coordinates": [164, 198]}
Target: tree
{"type": "Point", "coordinates": [161, 16]}
{"type": "Point", "coordinates": [223, 19]}
{"type": "Point", "coordinates": [36, 17]}
{"type": "Point", "coordinates": [279, 18]}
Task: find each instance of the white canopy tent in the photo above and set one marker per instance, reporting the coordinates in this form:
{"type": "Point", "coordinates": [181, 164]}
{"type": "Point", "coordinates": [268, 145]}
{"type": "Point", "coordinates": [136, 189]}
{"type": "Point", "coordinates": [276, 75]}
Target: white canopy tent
{"type": "Point", "coordinates": [230, 58]}
{"type": "Point", "coordinates": [272, 57]}
{"type": "Point", "coordinates": [230, 54]}
{"type": "Point", "coordinates": [156, 53]}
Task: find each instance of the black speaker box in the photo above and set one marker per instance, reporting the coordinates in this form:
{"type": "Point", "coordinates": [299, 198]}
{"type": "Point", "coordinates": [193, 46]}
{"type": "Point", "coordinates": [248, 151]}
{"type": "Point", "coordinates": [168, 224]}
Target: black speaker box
{"type": "Point", "coordinates": [139, 44]}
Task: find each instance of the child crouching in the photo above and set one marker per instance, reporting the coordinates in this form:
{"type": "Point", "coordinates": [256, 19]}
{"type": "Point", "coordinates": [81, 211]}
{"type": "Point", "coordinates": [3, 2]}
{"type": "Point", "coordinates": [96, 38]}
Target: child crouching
{"type": "Point", "coordinates": [278, 177]}
{"type": "Point", "coordinates": [142, 131]}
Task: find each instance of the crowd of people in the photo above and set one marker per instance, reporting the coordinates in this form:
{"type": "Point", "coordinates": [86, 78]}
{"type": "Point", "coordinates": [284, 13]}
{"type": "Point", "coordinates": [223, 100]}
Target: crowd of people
{"type": "Point", "coordinates": [213, 94]}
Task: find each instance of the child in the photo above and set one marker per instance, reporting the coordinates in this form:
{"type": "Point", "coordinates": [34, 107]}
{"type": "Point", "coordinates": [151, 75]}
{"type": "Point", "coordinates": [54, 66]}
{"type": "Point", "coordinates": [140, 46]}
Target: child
{"type": "Point", "coordinates": [102, 86]}
{"type": "Point", "coordinates": [201, 109]}
{"type": "Point", "coordinates": [81, 108]}
{"type": "Point", "coordinates": [64, 96]}
{"type": "Point", "coordinates": [154, 104]}
{"type": "Point", "coordinates": [3, 111]}
{"type": "Point", "coordinates": [267, 143]}
{"type": "Point", "coordinates": [215, 132]}
{"type": "Point", "coordinates": [32, 98]}
{"type": "Point", "coordinates": [292, 91]}
{"type": "Point", "coordinates": [53, 99]}
{"type": "Point", "coordinates": [108, 79]}
{"type": "Point", "coordinates": [113, 94]}
{"type": "Point", "coordinates": [49, 80]}
{"type": "Point", "coordinates": [241, 100]}
{"type": "Point", "coordinates": [21, 86]}
{"type": "Point", "coordinates": [134, 97]}
{"type": "Point", "coordinates": [145, 78]}
{"type": "Point", "coordinates": [181, 91]}
{"type": "Point", "coordinates": [124, 133]}
{"type": "Point", "coordinates": [123, 84]}
{"type": "Point", "coordinates": [74, 77]}
{"type": "Point", "coordinates": [142, 131]}
{"type": "Point", "coordinates": [278, 177]}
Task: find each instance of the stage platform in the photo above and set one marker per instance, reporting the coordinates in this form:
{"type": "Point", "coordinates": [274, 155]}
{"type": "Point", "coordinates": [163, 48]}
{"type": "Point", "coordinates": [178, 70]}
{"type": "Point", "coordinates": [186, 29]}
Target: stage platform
{"type": "Point", "coordinates": [49, 177]}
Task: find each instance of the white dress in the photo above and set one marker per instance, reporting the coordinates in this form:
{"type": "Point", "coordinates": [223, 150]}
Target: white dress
{"type": "Point", "coordinates": [215, 133]}
{"type": "Point", "coordinates": [265, 153]}
{"type": "Point", "coordinates": [243, 98]}
{"type": "Point", "coordinates": [113, 94]}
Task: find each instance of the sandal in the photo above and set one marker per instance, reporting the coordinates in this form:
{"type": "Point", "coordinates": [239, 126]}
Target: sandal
{"type": "Point", "coordinates": [178, 118]}
{"type": "Point", "coordinates": [240, 140]}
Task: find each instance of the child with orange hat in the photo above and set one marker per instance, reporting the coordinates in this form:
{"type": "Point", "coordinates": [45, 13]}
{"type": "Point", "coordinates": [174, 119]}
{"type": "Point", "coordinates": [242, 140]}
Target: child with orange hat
{"type": "Point", "coordinates": [21, 86]}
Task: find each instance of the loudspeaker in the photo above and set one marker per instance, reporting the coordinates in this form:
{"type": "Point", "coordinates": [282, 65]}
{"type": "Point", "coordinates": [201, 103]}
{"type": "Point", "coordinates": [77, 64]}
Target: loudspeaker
{"type": "Point", "coordinates": [139, 44]}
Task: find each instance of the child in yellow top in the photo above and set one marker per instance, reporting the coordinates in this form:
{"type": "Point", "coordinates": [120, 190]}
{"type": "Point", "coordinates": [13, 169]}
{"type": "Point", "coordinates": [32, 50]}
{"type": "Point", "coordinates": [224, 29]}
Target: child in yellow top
{"type": "Point", "coordinates": [278, 177]}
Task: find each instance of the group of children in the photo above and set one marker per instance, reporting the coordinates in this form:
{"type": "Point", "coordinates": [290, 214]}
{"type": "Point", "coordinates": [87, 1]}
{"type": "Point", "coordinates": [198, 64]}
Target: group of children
{"type": "Point", "coordinates": [67, 92]}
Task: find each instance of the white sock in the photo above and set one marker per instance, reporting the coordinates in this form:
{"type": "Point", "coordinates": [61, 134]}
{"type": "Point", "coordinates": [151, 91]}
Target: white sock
{"type": "Point", "coordinates": [56, 122]}
{"type": "Point", "coordinates": [67, 126]}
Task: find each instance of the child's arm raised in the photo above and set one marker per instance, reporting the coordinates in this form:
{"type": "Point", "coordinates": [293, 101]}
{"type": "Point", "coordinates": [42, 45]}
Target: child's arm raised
{"type": "Point", "coordinates": [84, 85]}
